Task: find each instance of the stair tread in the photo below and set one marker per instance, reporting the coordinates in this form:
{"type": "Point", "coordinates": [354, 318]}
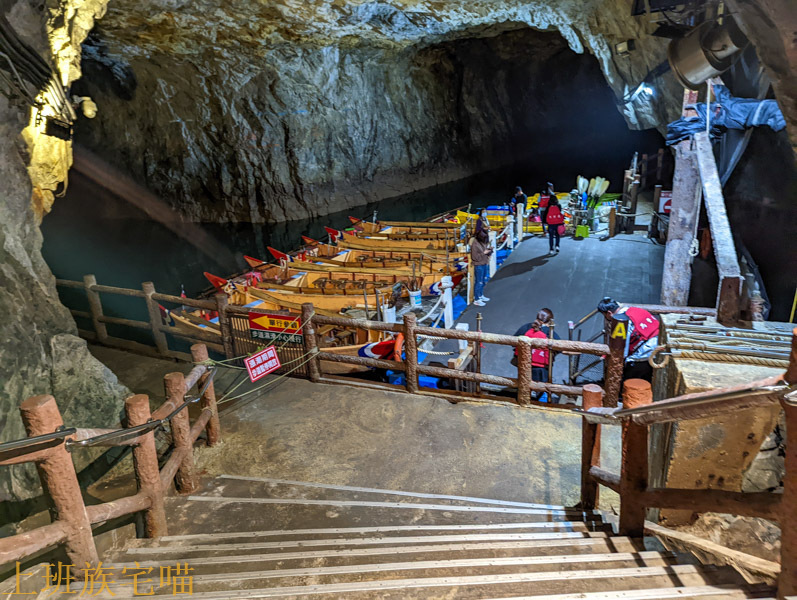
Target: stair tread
{"type": "Point", "coordinates": [658, 576]}
{"type": "Point", "coordinates": [359, 541]}
{"type": "Point", "coordinates": [527, 548]}
{"type": "Point", "coordinates": [274, 482]}
{"type": "Point", "coordinates": [200, 537]}
{"type": "Point", "coordinates": [577, 560]}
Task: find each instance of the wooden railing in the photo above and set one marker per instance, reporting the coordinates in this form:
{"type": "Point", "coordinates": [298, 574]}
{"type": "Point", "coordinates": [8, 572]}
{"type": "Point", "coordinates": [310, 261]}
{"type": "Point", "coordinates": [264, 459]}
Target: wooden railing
{"type": "Point", "coordinates": [639, 412]}
{"type": "Point", "coordinates": [49, 446]}
{"type": "Point", "coordinates": [412, 369]}
{"type": "Point", "coordinates": [154, 324]}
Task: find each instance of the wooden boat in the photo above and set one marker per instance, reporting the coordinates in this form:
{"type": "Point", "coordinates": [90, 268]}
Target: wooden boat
{"type": "Point", "coordinates": [383, 243]}
{"type": "Point", "coordinates": [406, 226]}
{"type": "Point", "coordinates": [329, 303]}
{"type": "Point", "coordinates": [373, 255]}
{"type": "Point", "coordinates": [362, 258]}
{"type": "Point", "coordinates": [385, 246]}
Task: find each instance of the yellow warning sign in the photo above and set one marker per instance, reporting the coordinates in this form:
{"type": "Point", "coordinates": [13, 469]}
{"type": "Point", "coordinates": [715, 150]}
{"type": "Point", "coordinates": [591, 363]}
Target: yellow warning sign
{"type": "Point", "coordinates": [619, 331]}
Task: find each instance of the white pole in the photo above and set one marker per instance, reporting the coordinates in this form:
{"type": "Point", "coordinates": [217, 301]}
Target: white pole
{"type": "Point", "coordinates": [448, 302]}
{"type": "Point", "coordinates": [510, 232]}
{"type": "Point", "coordinates": [521, 219]}
{"type": "Point", "coordinates": [493, 258]}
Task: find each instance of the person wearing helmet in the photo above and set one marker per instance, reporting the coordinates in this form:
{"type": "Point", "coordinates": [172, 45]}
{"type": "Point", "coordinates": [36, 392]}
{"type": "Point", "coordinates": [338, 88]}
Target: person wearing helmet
{"type": "Point", "coordinates": [641, 339]}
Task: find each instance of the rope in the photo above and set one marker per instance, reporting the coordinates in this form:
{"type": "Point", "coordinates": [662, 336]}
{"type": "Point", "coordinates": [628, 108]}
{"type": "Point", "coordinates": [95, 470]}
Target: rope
{"type": "Point", "coordinates": [431, 310]}
{"type": "Point", "coordinates": [437, 353]}
{"type": "Point", "coordinates": [734, 358]}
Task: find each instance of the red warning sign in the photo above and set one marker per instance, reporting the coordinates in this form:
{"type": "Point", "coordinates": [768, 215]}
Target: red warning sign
{"type": "Point", "coordinates": [261, 364]}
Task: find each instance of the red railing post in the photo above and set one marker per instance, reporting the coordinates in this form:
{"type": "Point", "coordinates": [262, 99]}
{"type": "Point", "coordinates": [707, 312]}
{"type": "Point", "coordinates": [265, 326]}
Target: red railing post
{"type": "Point", "coordinates": [199, 352]}
{"type": "Point", "coordinates": [590, 447]}
{"type": "Point", "coordinates": [618, 332]}
{"type": "Point", "coordinates": [145, 463]}
{"type": "Point", "coordinates": [787, 582]}
{"type": "Point", "coordinates": [310, 342]}
{"type": "Point", "coordinates": [523, 370]}
{"type": "Point", "coordinates": [40, 415]}
{"type": "Point", "coordinates": [410, 353]}
{"type": "Point", "coordinates": [634, 472]}
{"type": "Point", "coordinates": [184, 481]}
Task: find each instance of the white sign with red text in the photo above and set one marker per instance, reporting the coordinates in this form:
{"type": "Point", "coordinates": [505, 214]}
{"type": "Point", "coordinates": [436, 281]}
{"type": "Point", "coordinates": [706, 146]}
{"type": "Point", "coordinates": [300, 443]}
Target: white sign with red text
{"type": "Point", "coordinates": [665, 202]}
{"type": "Point", "coordinates": [261, 364]}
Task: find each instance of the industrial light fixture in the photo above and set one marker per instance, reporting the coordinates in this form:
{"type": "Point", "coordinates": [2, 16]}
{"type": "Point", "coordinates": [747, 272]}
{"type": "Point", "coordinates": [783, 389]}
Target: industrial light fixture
{"type": "Point", "coordinates": [625, 48]}
{"type": "Point", "coordinates": [706, 51]}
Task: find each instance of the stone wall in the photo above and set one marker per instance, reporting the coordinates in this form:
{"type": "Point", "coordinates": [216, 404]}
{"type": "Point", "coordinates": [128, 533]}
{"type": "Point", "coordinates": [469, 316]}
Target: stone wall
{"type": "Point", "coordinates": [235, 112]}
{"type": "Point", "coordinates": [40, 352]}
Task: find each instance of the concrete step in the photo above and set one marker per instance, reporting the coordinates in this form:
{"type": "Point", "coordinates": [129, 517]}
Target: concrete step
{"type": "Point", "coordinates": [537, 539]}
{"type": "Point", "coordinates": [216, 515]}
{"type": "Point", "coordinates": [228, 537]}
{"type": "Point", "coordinates": [265, 487]}
{"type": "Point", "coordinates": [439, 582]}
{"type": "Point", "coordinates": [318, 557]}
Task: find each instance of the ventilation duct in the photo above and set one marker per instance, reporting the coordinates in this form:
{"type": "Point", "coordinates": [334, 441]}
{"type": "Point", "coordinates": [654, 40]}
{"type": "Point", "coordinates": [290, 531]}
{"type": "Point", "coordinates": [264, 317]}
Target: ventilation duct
{"type": "Point", "coordinates": [706, 51]}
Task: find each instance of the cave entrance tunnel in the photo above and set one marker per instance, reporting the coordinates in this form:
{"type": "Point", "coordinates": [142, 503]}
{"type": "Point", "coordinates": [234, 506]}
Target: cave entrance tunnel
{"type": "Point", "coordinates": [523, 99]}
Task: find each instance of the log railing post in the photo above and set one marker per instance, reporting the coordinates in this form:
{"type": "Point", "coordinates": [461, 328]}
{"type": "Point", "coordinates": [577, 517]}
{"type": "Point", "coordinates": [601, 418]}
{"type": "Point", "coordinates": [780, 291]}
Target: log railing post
{"type": "Point", "coordinates": [155, 320]}
{"type": "Point", "coordinates": [643, 170]}
{"type": "Point", "coordinates": [659, 167]}
{"type": "Point", "coordinates": [634, 471]}
{"type": "Point", "coordinates": [199, 353]}
{"type": "Point", "coordinates": [40, 416]}
{"type": "Point", "coordinates": [787, 581]}
{"type": "Point", "coordinates": [410, 353]}
{"type": "Point", "coordinates": [618, 332]}
{"type": "Point", "coordinates": [590, 447]}
{"type": "Point", "coordinates": [225, 326]}
{"type": "Point", "coordinates": [311, 342]}
{"type": "Point", "coordinates": [145, 463]}
{"type": "Point", "coordinates": [174, 385]}
{"type": "Point", "coordinates": [95, 308]}
{"type": "Point", "coordinates": [523, 370]}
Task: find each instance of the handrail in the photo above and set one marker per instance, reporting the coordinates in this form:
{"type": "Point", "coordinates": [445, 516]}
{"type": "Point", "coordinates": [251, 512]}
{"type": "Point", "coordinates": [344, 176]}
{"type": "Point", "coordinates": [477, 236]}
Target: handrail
{"type": "Point", "coordinates": [132, 432]}
{"type": "Point", "coordinates": [36, 440]}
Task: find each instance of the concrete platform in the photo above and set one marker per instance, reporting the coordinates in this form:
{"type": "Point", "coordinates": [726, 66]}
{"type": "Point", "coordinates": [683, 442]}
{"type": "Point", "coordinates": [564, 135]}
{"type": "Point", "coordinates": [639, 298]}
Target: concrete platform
{"type": "Point", "coordinates": [571, 283]}
{"type": "Point", "coordinates": [345, 435]}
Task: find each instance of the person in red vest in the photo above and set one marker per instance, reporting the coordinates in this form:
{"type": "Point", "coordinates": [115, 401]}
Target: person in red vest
{"type": "Point", "coordinates": [540, 357]}
{"type": "Point", "coordinates": [554, 218]}
{"type": "Point", "coordinates": [542, 206]}
{"type": "Point", "coordinates": [642, 337]}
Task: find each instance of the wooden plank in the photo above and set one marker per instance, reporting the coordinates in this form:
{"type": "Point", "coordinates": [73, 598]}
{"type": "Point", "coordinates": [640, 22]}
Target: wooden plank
{"type": "Point", "coordinates": [759, 504]}
{"type": "Point", "coordinates": [751, 567]}
{"type": "Point", "coordinates": [605, 478]}
{"type": "Point", "coordinates": [724, 247]}
{"type": "Point", "coordinates": [726, 592]}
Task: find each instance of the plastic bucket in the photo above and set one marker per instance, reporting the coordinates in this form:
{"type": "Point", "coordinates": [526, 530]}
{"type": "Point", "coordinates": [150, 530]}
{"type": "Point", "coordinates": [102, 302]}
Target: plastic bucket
{"type": "Point", "coordinates": [415, 299]}
{"type": "Point", "coordinates": [390, 314]}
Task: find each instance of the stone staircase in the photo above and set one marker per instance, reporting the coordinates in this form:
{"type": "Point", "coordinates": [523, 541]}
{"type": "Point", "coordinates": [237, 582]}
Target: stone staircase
{"type": "Point", "coordinates": [267, 538]}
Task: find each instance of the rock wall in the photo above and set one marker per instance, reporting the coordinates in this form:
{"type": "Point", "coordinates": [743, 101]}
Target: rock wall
{"type": "Point", "coordinates": [40, 352]}
{"type": "Point", "coordinates": [290, 110]}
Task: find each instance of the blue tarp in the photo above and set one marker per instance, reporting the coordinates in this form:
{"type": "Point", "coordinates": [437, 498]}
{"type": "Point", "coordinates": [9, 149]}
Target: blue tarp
{"type": "Point", "coordinates": [727, 112]}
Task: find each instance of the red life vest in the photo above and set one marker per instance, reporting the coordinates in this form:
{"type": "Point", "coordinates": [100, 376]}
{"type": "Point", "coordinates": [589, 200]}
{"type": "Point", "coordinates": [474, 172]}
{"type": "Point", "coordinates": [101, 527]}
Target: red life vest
{"type": "Point", "coordinates": [646, 326]}
{"type": "Point", "coordinates": [539, 356]}
{"type": "Point", "coordinates": [544, 199]}
{"type": "Point", "coordinates": [554, 216]}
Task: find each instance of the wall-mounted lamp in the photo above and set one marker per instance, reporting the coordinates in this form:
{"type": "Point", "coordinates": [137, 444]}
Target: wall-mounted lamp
{"type": "Point", "coordinates": [625, 48]}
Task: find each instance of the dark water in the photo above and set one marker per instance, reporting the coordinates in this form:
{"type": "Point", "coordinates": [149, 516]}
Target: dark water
{"type": "Point", "coordinates": [93, 231]}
